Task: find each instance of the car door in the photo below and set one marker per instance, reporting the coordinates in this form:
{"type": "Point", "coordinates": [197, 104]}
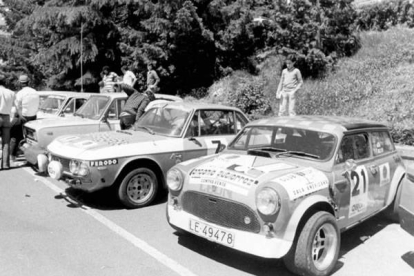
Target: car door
{"type": "Point", "coordinates": [355, 182]}
{"type": "Point", "coordinates": [111, 119]}
{"type": "Point", "coordinates": [210, 131]}
{"type": "Point", "coordinates": [385, 160]}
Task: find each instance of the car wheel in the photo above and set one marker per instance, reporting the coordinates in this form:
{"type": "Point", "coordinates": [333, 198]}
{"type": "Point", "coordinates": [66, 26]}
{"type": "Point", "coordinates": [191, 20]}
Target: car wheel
{"type": "Point", "coordinates": [391, 212]}
{"type": "Point", "coordinates": [138, 188]}
{"type": "Point", "coordinates": [316, 249]}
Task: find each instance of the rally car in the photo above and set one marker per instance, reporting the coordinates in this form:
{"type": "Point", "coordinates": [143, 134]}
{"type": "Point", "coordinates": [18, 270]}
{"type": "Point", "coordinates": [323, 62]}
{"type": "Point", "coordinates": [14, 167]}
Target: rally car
{"type": "Point", "coordinates": [286, 187]}
{"type": "Point", "coordinates": [134, 162]}
{"type": "Point", "coordinates": [60, 103]}
{"type": "Point", "coordinates": [99, 113]}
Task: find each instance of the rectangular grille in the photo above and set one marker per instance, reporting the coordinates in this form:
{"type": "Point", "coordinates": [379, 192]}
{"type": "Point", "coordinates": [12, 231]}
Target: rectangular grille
{"type": "Point", "coordinates": [221, 212]}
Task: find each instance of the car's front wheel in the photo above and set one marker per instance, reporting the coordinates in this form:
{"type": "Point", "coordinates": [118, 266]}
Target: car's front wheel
{"type": "Point", "coordinates": [138, 188]}
{"type": "Point", "coordinates": [316, 250]}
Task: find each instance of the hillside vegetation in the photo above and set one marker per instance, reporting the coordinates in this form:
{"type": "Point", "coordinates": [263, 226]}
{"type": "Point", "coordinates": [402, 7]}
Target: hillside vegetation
{"type": "Point", "coordinates": [376, 83]}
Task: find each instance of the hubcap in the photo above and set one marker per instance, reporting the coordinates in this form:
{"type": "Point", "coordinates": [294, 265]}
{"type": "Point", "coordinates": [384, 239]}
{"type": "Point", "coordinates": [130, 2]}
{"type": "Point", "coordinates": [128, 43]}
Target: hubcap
{"type": "Point", "coordinates": [324, 246]}
{"type": "Point", "coordinates": [140, 188]}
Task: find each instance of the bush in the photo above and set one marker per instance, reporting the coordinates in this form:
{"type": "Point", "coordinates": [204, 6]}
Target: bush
{"type": "Point", "coordinates": [250, 99]}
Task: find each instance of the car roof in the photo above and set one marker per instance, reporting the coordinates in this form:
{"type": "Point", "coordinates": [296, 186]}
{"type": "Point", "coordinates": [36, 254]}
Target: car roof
{"type": "Point", "coordinates": [321, 123]}
{"type": "Point", "coordinates": [202, 106]}
{"type": "Point", "coordinates": [67, 93]}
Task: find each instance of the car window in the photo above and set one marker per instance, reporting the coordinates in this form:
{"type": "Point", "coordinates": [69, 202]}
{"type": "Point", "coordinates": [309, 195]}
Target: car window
{"type": "Point", "coordinates": [112, 113]}
{"type": "Point", "coordinates": [52, 104]}
{"type": "Point", "coordinates": [241, 121]}
{"type": "Point", "coordinates": [381, 142]}
{"type": "Point", "coordinates": [68, 109]}
{"type": "Point", "coordinates": [354, 147]}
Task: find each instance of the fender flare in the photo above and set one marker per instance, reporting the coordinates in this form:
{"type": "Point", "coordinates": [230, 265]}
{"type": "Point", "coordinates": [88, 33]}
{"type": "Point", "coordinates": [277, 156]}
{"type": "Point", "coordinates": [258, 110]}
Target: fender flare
{"type": "Point", "coordinates": [300, 211]}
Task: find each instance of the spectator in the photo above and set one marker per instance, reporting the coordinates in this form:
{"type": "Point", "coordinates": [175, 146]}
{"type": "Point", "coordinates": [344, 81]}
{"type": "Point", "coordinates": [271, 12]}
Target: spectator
{"type": "Point", "coordinates": [133, 109]}
{"type": "Point", "coordinates": [152, 79]}
{"type": "Point", "coordinates": [129, 77]}
{"type": "Point", "coordinates": [290, 82]}
{"type": "Point", "coordinates": [27, 104]}
{"type": "Point", "coordinates": [7, 99]}
{"type": "Point", "coordinates": [109, 79]}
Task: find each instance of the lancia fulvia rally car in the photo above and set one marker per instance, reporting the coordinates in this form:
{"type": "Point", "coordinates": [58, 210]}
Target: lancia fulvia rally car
{"type": "Point", "coordinates": [406, 195]}
{"type": "Point", "coordinates": [99, 113]}
{"type": "Point", "coordinates": [286, 187]}
{"type": "Point", "coordinates": [134, 162]}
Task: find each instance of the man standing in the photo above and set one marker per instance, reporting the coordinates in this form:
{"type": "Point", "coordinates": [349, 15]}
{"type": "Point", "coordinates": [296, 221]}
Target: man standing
{"type": "Point", "coordinates": [289, 84]}
{"type": "Point", "coordinates": [152, 78]}
{"type": "Point", "coordinates": [133, 108]}
{"type": "Point", "coordinates": [7, 98]}
{"type": "Point", "coordinates": [109, 79]}
{"type": "Point", "coordinates": [27, 105]}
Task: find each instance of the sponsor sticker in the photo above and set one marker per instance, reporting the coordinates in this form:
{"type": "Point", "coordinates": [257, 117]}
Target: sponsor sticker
{"type": "Point", "coordinates": [106, 162]}
{"type": "Point", "coordinates": [303, 182]}
{"type": "Point", "coordinates": [384, 174]}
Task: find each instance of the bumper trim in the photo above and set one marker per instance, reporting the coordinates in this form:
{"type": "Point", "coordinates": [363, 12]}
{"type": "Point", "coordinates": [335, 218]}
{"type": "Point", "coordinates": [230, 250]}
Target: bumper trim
{"type": "Point", "coordinates": [252, 243]}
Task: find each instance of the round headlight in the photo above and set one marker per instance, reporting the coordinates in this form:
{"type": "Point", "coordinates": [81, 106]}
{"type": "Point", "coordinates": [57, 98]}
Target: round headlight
{"type": "Point", "coordinates": [83, 169]}
{"type": "Point", "coordinates": [73, 166]}
{"type": "Point", "coordinates": [267, 201]}
{"type": "Point", "coordinates": [174, 179]}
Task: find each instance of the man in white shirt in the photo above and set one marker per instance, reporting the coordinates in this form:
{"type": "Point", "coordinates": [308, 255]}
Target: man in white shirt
{"type": "Point", "coordinates": [129, 77]}
{"type": "Point", "coordinates": [27, 105]}
{"type": "Point", "coordinates": [7, 98]}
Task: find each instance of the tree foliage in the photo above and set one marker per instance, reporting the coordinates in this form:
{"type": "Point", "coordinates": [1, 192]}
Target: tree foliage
{"type": "Point", "coordinates": [190, 42]}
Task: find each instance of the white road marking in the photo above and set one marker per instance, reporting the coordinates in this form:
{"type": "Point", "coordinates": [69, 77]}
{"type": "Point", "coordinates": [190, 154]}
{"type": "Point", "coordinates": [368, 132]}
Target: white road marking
{"type": "Point", "coordinates": [142, 245]}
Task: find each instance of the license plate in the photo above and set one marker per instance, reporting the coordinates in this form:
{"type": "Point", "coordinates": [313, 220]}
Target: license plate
{"type": "Point", "coordinates": [212, 233]}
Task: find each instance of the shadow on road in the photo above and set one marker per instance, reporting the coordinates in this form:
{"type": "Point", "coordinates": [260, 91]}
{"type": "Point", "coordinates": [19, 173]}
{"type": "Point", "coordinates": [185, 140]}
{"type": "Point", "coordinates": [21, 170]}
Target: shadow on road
{"type": "Point", "coordinates": [263, 267]}
{"type": "Point", "coordinates": [104, 199]}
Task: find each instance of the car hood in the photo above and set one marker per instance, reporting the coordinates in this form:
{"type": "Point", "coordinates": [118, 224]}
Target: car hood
{"type": "Point", "coordinates": [112, 144]}
{"type": "Point", "coordinates": [59, 121]}
{"type": "Point", "coordinates": [240, 175]}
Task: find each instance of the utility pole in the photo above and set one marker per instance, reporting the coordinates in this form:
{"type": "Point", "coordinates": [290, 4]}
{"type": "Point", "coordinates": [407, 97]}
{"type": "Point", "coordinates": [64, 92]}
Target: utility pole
{"type": "Point", "coordinates": [81, 57]}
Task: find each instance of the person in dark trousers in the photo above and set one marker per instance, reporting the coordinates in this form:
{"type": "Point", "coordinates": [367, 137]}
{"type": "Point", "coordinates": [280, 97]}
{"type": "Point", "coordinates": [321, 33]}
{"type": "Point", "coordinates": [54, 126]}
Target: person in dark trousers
{"type": "Point", "coordinates": [7, 98]}
{"type": "Point", "coordinates": [27, 105]}
{"type": "Point", "coordinates": [133, 108]}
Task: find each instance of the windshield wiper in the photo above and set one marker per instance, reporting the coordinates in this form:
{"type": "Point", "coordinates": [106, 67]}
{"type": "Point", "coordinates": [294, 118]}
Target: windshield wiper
{"type": "Point", "coordinates": [300, 153]}
{"type": "Point", "coordinates": [150, 131]}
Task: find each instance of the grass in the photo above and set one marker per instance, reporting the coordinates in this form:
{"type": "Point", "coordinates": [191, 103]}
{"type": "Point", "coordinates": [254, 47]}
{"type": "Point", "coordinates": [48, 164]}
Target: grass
{"type": "Point", "coordinates": [376, 83]}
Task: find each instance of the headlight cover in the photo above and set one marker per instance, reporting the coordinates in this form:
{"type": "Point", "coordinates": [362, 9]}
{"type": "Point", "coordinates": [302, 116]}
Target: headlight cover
{"type": "Point", "coordinates": [80, 168]}
{"type": "Point", "coordinates": [174, 179]}
{"type": "Point", "coordinates": [268, 201]}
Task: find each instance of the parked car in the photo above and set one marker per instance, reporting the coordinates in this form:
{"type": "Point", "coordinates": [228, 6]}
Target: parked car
{"type": "Point", "coordinates": [286, 187]}
{"type": "Point", "coordinates": [99, 113]}
{"type": "Point", "coordinates": [134, 162]}
{"type": "Point", "coordinates": [61, 103]}
{"type": "Point", "coordinates": [406, 207]}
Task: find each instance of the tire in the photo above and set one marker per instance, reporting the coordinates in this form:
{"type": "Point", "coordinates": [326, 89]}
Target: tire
{"type": "Point", "coordinates": [138, 188]}
{"type": "Point", "coordinates": [391, 212]}
{"type": "Point", "coordinates": [316, 249]}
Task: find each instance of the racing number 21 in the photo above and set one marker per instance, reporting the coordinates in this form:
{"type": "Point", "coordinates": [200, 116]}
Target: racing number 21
{"type": "Point", "coordinates": [360, 180]}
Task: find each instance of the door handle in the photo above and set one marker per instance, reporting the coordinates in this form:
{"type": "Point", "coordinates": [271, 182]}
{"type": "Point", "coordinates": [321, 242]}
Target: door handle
{"type": "Point", "coordinates": [373, 169]}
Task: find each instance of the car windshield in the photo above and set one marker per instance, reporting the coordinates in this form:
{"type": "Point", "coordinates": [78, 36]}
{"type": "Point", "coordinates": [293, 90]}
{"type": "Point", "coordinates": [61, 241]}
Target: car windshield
{"type": "Point", "coordinates": [52, 104]}
{"type": "Point", "coordinates": [93, 108]}
{"type": "Point", "coordinates": [164, 120]}
{"type": "Point", "coordinates": [285, 141]}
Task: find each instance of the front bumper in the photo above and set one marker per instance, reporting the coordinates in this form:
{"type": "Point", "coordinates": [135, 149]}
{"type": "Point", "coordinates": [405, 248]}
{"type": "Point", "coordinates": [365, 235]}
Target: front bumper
{"type": "Point", "coordinates": [252, 243]}
{"type": "Point", "coordinates": [96, 180]}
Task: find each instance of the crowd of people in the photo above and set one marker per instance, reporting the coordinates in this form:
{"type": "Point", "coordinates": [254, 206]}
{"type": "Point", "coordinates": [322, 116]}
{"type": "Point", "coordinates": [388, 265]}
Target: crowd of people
{"type": "Point", "coordinates": [15, 110]}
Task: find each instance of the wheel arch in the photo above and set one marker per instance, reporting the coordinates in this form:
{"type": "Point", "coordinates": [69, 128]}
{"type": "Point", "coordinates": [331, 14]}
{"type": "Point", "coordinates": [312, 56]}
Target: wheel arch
{"type": "Point", "coordinates": [303, 212]}
{"type": "Point", "coordinates": [396, 180]}
{"type": "Point", "coordinates": [141, 162]}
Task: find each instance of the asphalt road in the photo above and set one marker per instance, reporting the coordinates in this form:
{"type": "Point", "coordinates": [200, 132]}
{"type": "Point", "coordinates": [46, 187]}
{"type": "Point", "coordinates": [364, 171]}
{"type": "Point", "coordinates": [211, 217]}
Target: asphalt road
{"type": "Point", "coordinates": [47, 229]}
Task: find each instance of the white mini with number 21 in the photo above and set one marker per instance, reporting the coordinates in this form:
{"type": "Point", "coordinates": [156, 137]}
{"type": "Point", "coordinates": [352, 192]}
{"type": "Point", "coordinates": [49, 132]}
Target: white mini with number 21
{"type": "Point", "coordinates": [286, 187]}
